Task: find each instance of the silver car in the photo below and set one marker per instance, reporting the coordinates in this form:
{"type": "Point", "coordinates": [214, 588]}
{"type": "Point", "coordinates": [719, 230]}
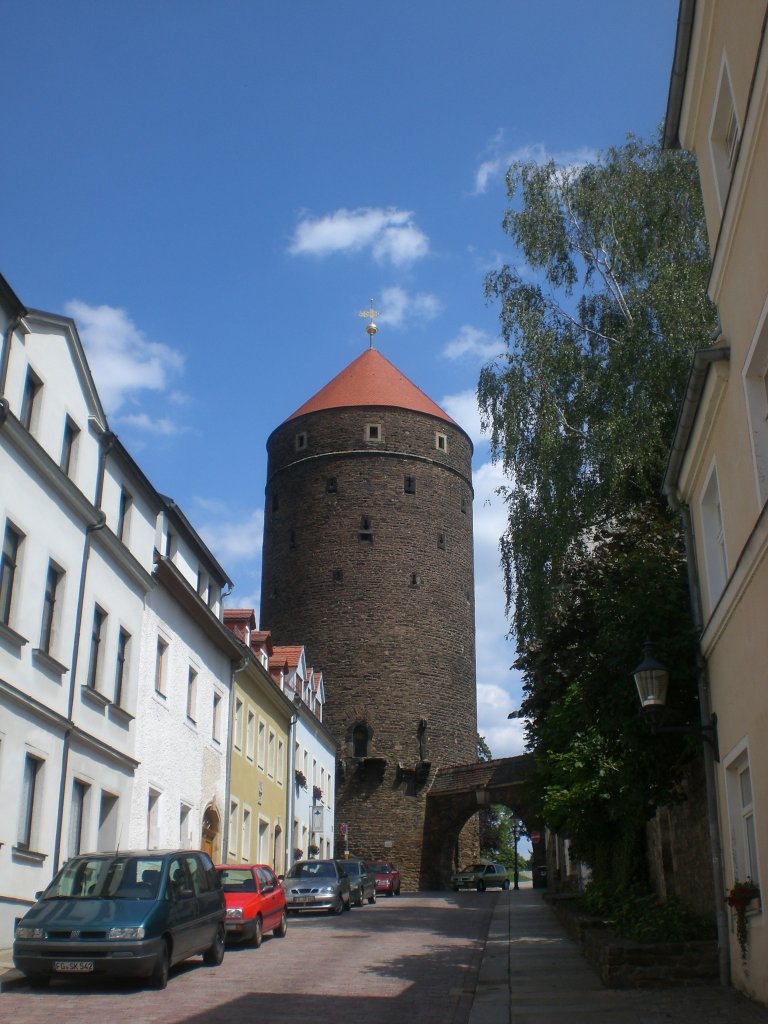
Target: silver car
{"type": "Point", "coordinates": [317, 885]}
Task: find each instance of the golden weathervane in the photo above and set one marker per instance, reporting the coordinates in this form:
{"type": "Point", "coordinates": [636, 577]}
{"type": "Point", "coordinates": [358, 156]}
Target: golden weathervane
{"type": "Point", "coordinates": [369, 314]}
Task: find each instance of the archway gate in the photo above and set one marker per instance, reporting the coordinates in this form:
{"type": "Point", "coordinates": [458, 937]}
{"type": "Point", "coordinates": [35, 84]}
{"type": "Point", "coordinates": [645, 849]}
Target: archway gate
{"type": "Point", "coordinates": [460, 791]}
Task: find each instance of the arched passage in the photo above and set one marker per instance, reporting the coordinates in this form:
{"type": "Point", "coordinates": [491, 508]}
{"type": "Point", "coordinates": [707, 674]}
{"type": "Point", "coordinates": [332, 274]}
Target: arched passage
{"type": "Point", "coordinates": [457, 794]}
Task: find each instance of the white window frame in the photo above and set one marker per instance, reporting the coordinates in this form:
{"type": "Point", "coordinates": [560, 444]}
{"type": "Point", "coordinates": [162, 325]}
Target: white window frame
{"type": "Point", "coordinates": [743, 828]}
{"type": "Point", "coordinates": [724, 134]}
{"type": "Point", "coordinates": [713, 537]}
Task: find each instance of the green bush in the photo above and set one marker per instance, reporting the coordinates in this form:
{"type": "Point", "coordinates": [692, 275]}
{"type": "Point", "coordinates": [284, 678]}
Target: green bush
{"type": "Point", "coordinates": [637, 914]}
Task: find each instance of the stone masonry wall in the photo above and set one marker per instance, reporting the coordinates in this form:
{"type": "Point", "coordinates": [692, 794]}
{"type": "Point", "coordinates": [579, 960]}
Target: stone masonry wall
{"type": "Point", "coordinates": [378, 584]}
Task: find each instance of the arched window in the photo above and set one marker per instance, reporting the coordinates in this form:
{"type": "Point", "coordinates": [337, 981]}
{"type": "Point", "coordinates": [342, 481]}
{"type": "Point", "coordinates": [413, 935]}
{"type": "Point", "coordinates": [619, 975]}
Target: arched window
{"type": "Point", "coordinates": [360, 741]}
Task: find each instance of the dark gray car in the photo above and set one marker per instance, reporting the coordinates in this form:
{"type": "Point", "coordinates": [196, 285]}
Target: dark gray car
{"type": "Point", "coordinates": [362, 883]}
{"type": "Point", "coordinates": [129, 914]}
{"type": "Point", "coordinates": [317, 885]}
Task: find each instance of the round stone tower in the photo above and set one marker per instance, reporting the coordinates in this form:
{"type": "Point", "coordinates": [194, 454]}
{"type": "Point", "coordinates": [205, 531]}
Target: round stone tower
{"type": "Point", "coordinates": [368, 562]}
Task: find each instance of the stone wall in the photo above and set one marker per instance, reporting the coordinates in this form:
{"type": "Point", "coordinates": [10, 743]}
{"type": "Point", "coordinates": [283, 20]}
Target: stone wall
{"type": "Point", "coordinates": [368, 561]}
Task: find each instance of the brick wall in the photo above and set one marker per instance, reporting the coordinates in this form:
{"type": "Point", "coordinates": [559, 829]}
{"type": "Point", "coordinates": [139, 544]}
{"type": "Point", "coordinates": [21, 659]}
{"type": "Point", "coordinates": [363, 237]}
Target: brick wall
{"type": "Point", "coordinates": [378, 584]}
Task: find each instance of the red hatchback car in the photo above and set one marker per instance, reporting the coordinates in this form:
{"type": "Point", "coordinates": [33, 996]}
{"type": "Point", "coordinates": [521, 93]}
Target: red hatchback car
{"type": "Point", "coordinates": [255, 902]}
{"type": "Point", "coordinates": [387, 877]}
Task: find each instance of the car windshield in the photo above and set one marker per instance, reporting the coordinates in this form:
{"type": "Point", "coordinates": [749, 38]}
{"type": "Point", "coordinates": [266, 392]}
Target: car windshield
{"type": "Point", "coordinates": [380, 868]}
{"type": "Point", "coordinates": [475, 867]}
{"type": "Point", "coordinates": [114, 878]}
{"type": "Point", "coordinates": [353, 870]}
{"type": "Point", "coordinates": [313, 869]}
{"type": "Point", "coordinates": [237, 880]}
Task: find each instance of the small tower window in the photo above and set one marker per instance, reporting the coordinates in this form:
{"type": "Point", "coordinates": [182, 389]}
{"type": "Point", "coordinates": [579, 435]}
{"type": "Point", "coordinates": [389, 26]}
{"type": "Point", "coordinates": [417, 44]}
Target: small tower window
{"type": "Point", "coordinates": [441, 541]}
{"type": "Point", "coordinates": [275, 502]}
{"type": "Point", "coordinates": [366, 529]}
{"type": "Point", "coordinates": [464, 504]}
{"type": "Point", "coordinates": [441, 442]}
{"type": "Point", "coordinates": [337, 575]}
{"type": "Point", "coordinates": [292, 539]}
{"type": "Point", "coordinates": [301, 441]}
{"type": "Point", "coordinates": [415, 580]}
{"type": "Point", "coordinates": [373, 431]}
{"type": "Point", "coordinates": [331, 485]}
{"type": "Point", "coordinates": [409, 484]}
{"type": "Point", "coordinates": [360, 741]}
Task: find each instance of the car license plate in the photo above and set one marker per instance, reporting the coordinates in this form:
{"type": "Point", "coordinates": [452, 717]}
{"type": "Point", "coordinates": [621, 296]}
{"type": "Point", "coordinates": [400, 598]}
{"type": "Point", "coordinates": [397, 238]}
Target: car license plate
{"type": "Point", "coordinates": [73, 966]}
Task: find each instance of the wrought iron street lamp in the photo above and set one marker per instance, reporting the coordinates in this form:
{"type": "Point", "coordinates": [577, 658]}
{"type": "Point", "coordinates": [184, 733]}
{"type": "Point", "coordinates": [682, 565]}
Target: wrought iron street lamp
{"type": "Point", "coordinates": [651, 680]}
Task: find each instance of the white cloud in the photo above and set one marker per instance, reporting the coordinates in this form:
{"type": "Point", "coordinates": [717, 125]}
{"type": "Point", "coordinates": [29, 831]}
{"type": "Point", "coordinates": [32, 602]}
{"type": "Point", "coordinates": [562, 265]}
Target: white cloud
{"type": "Point", "coordinates": [475, 343]}
{"type": "Point", "coordinates": [389, 234]}
{"type": "Point", "coordinates": [462, 407]}
{"type": "Point", "coordinates": [500, 156]}
{"type": "Point", "coordinates": [233, 539]}
{"type": "Point", "coordinates": [122, 360]}
{"type": "Point", "coordinates": [498, 689]}
{"type": "Point", "coordinates": [141, 421]}
{"type": "Point", "coordinates": [399, 308]}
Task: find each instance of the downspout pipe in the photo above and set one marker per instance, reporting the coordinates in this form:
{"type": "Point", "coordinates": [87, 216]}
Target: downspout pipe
{"type": "Point", "coordinates": [703, 359]}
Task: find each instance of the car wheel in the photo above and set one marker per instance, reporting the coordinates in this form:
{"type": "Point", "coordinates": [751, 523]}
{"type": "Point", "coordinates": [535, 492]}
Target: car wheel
{"type": "Point", "coordinates": [258, 931]}
{"type": "Point", "coordinates": [282, 928]}
{"type": "Point", "coordinates": [337, 907]}
{"type": "Point", "coordinates": [505, 884]}
{"type": "Point", "coordinates": [359, 899]}
{"type": "Point", "coordinates": [159, 977]}
{"type": "Point", "coordinates": [348, 904]}
{"type": "Point", "coordinates": [481, 886]}
{"type": "Point", "coordinates": [372, 898]}
{"type": "Point", "coordinates": [215, 952]}
{"type": "Point", "coordinates": [397, 891]}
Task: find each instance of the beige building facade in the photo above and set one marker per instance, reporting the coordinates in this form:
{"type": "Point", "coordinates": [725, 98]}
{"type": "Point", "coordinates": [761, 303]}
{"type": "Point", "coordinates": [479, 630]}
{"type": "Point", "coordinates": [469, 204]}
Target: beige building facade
{"type": "Point", "coordinates": [718, 472]}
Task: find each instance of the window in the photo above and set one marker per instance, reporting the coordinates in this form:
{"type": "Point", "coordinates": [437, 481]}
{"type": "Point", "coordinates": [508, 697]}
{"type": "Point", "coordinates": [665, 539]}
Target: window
{"type": "Point", "coordinates": [107, 838]}
{"type": "Point", "coordinates": [415, 579]}
{"type": "Point", "coordinates": [755, 376]}
{"type": "Point", "coordinates": [337, 575]}
{"type": "Point", "coordinates": [123, 640]}
{"type": "Point", "coordinates": [160, 660]}
{"type": "Point", "coordinates": [153, 820]}
{"type": "Point", "coordinates": [741, 813]}
{"type": "Point", "coordinates": [28, 818]}
{"type": "Point", "coordinates": [409, 484]}
{"type": "Point", "coordinates": [301, 441]}
{"type": "Point", "coordinates": [68, 446]}
{"type": "Point", "coordinates": [8, 565]}
{"type": "Point", "coordinates": [724, 136]}
{"type": "Point", "coordinates": [216, 730]}
{"type": "Point", "coordinates": [464, 504]}
{"type": "Point", "coordinates": [47, 632]}
{"type": "Point", "coordinates": [262, 744]}
{"type": "Point", "coordinates": [237, 739]}
{"type": "Point", "coordinates": [275, 501]}
{"type": "Point", "coordinates": [271, 755]}
{"type": "Point", "coordinates": [29, 400]}
{"type": "Point", "coordinates": [373, 432]}
{"type": "Point", "coordinates": [441, 442]}
{"type": "Point", "coordinates": [280, 766]}
{"type": "Point", "coordinates": [77, 817]}
{"type": "Point", "coordinates": [250, 735]}
{"type": "Point", "coordinates": [123, 509]}
{"type": "Point", "coordinates": [97, 631]}
{"type": "Point", "coordinates": [366, 529]}
{"type": "Point", "coordinates": [441, 541]}
{"type": "Point", "coordinates": [331, 485]}
{"type": "Point", "coordinates": [170, 544]}
{"type": "Point", "coordinates": [715, 557]}
{"type": "Point", "coordinates": [192, 695]}
{"type": "Point", "coordinates": [246, 835]}
{"type": "Point", "coordinates": [292, 539]}
{"type": "Point", "coordinates": [232, 836]}
{"type": "Point", "coordinates": [185, 834]}
{"type": "Point", "coordinates": [359, 741]}
{"type": "Point", "coordinates": [203, 584]}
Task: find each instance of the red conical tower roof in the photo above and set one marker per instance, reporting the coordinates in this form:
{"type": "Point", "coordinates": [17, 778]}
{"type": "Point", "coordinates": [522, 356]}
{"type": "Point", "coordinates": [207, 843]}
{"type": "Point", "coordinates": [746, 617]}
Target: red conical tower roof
{"type": "Point", "coordinates": [371, 380]}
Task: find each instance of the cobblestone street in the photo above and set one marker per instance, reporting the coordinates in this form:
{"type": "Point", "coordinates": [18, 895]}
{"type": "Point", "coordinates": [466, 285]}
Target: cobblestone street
{"type": "Point", "coordinates": [415, 958]}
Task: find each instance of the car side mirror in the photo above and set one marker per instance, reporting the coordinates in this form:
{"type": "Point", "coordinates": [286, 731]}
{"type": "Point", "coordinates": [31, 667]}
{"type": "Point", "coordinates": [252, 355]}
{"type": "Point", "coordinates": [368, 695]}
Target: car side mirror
{"type": "Point", "coordinates": [39, 895]}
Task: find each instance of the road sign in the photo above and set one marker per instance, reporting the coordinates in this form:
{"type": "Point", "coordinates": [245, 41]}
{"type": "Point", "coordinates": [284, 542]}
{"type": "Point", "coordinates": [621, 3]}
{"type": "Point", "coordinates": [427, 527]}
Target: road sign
{"type": "Point", "coordinates": [535, 837]}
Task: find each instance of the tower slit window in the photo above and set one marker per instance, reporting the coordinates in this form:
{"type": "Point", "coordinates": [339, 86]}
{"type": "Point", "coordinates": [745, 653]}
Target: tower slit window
{"type": "Point", "coordinates": [409, 484]}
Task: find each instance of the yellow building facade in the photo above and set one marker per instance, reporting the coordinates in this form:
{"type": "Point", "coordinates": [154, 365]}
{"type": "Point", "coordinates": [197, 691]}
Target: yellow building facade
{"type": "Point", "coordinates": [718, 472]}
{"type": "Point", "coordinates": [261, 741]}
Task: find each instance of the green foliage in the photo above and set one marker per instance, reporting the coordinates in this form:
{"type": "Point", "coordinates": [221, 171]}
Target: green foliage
{"type": "Point", "coordinates": [600, 331]}
{"type": "Point", "coordinates": [637, 914]}
{"type": "Point", "coordinates": [483, 750]}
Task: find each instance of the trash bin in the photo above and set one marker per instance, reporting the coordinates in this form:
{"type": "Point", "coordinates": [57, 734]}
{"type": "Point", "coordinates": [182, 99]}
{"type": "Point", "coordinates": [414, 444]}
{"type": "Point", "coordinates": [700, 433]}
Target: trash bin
{"type": "Point", "coordinates": [540, 878]}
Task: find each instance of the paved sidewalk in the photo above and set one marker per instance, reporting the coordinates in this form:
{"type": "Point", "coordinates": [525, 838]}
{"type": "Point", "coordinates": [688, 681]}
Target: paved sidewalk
{"type": "Point", "coordinates": [533, 973]}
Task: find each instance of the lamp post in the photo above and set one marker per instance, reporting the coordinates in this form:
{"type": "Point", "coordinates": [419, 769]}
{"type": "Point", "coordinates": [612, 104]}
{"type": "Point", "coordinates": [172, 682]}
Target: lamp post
{"type": "Point", "coordinates": [651, 679]}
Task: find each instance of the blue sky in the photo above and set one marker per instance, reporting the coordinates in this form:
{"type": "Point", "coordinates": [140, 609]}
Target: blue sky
{"type": "Point", "coordinates": [213, 190]}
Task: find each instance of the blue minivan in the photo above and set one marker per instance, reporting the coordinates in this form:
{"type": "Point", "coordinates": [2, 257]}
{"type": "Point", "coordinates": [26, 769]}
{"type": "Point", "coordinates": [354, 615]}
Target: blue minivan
{"type": "Point", "coordinates": [132, 914]}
